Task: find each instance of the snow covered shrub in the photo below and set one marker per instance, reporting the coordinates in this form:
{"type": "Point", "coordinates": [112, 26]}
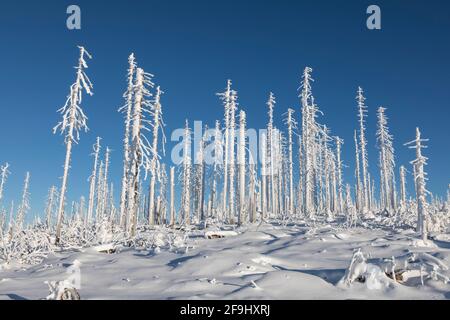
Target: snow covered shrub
{"type": "Point", "coordinates": [438, 221]}
{"type": "Point", "coordinates": [356, 269]}
{"type": "Point", "coordinates": [425, 264]}
{"type": "Point", "coordinates": [77, 235]}
{"type": "Point", "coordinates": [161, 238]}
{"type": "Point", "coordinates": [29, 246]}
{"type": "Point", "coordinates": [381, 273]}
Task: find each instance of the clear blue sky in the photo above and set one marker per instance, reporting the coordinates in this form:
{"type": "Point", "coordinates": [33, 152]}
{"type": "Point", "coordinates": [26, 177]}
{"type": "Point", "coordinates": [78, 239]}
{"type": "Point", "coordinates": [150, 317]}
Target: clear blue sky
{"type": "Point", "coordinates": [194, 46]}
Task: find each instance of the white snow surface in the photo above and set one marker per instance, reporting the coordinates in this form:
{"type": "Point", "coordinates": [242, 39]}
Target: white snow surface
{"type": "Point", "coordinates": [268, 261]}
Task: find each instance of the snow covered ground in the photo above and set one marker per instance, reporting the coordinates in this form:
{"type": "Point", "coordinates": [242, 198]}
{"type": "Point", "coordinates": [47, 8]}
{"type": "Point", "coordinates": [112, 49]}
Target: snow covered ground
{"type": "Point", "coordinates": [269, 261]}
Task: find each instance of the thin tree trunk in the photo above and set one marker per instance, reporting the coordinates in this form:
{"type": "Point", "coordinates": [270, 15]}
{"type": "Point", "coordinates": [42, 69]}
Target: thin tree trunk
{"type": "Point", "coordinates": [172, 196]}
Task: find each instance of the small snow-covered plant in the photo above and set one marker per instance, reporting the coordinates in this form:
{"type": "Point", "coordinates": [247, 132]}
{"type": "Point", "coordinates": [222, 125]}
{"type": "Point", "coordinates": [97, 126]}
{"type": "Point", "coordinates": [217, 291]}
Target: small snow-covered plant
{"type": "Point", "coordinates": [349, 208]}
{"type": "Point", "coordinates": [357, 268]}
{"type": "Point", "coordinates": [103, 233]}
{"type": "Point", "coordinates": [429, 266]}
{"type": "Point", "coordinates": [158, 238]}
{"type": "Point", "coordinates": [361, 271]}
{"type": "Point", "coordinates": [62, 290]}
{"type": "Point", "coordinates": [77, 234]}
{"type": "Point", "coordinates": [438, 220]}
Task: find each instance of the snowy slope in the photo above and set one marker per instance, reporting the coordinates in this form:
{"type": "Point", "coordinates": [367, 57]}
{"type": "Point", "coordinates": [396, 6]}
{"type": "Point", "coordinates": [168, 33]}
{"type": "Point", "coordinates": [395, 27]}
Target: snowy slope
{"type": "Point", "coordinates": [265, 262]}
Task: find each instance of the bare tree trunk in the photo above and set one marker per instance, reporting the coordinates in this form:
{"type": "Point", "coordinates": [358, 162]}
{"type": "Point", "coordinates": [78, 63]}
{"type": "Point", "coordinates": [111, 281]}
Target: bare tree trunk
{"type": "Point", "coordinates": [93, 182]}
{"type": "Point", "coordinates": [62, 197]}
{"type": "Point", "coordinates": [402, 188]}
{"type": "Point", "coordinates": [156, 124]}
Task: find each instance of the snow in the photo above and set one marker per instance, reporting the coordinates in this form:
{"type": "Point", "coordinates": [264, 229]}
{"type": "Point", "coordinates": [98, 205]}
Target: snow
{"type": "Point", "coordinates": [267, 261]}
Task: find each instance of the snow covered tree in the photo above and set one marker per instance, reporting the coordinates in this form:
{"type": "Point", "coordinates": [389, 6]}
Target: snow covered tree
{"type": "Point", "coordinates": [402, 188]}
{"type": "Point", "coordinates": [264, 173]}
{"type": "Point", "coordinates": [334, 184]}
{"type": "Point", "coordinates": [301, 178]}
{"type": "Point", "coordinates": [162, 204]}
{"type": "Point", "coordinates": [140, 151]}
{"type": "Point", "coordinates": [279, 166]}
{"type": "Point", "coordinates": [172, 197]}
{"type": "Point", "coordinates": [105, 187]}
{"type": "Point", "coordinates": [128, 110]}
{"type": "Point", "coordinates": [387, 162]}
{"type": "Point", "coordinates": [187, 167]}
{"type": "Point", "coordinates": [340, 182]}
{"type": "Point", "coordinates": [308, 140]}
{"type": "Point", "coordinates": [3, 176]}
{"type": "Point", "coordinates": [242, 166]}
{"type": "Point", "coordinates": [252, 198]}
{"type": "Point", "coordinates": [199, 179]}
{"type": "Point", "coordinates": [100, 192]}
{"type": "Point", "coordinates": [292, 125]}
{"type": "Point", "coordinates": [82, 208]}
{"type": "Point", "coordinates": [226, 99]}
{"type": "Point", "coordinates": [231, 158]}
{"type": "Point", "coordinates": [158, 125]}
{"type": "Point", "coordinates": [420, 183]}
{"type": "Point", "coordinates": [24, 204]}
{"type": "Point", "coordinates": [73, 121]}
{"type": "Point", "coordinates": [92, 180]}
{"type": "Point", "coordinates": [50, 207]}
{"type": "Point", "coordinates": [217, 167]}
{"type": "Point", "coordinates": [111, 208]}
{"type": "Point", "coordinates": [271, 154]}
{"type": "Point", "coordinates": [447, 203]}
{"type": "Point", "coordinates": [327, 160]}
{"type": "Point", "coordinates": [359, 191]}
{"type": "Point", "coordinates": [362, 114]}
{"type": "Point", "coordinates": [349, 208]}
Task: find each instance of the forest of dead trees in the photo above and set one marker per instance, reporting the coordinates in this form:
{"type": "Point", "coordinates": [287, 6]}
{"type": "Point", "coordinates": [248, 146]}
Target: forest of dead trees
{"type": "Point", "coordinates": [296, 177]}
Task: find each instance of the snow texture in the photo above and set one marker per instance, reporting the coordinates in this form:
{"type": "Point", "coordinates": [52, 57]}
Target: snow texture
{"type": "Point", "coordinates": [265, 261]}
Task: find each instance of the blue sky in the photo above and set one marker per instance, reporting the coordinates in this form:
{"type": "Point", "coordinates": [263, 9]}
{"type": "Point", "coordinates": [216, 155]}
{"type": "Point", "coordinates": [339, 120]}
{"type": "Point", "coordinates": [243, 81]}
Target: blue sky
{"type": "Point", "coordinates": [193, 47]}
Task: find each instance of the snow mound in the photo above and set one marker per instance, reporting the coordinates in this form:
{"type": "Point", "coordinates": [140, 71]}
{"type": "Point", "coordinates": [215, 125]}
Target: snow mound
{"type": "Point", "coordinates": [369, 274]}
{"type": "Point", "coordinates": [287, 285]}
